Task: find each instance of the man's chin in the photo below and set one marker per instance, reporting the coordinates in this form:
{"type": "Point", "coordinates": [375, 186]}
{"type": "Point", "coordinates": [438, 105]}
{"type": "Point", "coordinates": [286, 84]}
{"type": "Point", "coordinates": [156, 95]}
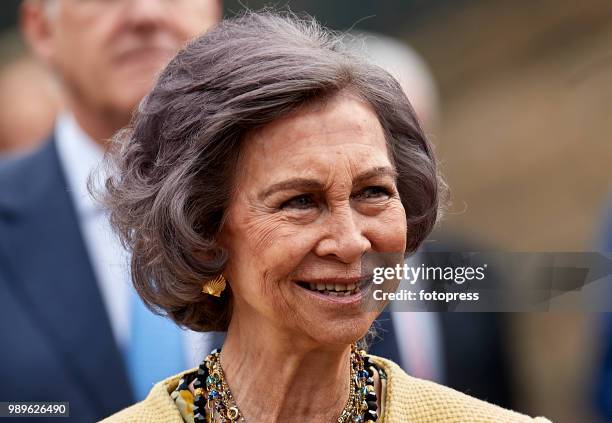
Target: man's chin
{"type": "Point", "coordinates": [130, 88]}
{"type": "Point", "coordinates": [124, 103]}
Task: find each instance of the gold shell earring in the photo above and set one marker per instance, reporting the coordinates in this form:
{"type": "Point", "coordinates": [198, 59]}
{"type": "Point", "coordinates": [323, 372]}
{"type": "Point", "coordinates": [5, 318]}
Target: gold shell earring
{"type": "Point", "coordinates": [214, 286]}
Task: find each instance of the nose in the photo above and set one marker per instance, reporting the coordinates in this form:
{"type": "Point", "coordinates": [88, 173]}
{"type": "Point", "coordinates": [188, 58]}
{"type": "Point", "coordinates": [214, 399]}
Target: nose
{"type": "Point", "coordinates": [343, 238]}
{"type": "Point", "coordinates": [145, 14]}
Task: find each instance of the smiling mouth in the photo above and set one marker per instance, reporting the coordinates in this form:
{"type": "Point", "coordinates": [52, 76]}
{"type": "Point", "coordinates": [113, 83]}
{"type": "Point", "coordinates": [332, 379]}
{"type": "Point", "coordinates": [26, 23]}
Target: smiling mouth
{"type": "Point", "coordinates": [336, 289]}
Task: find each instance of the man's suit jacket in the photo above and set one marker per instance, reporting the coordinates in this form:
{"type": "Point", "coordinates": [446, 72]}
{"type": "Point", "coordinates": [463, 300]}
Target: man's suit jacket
{"type": "Point", "coordinates": [56, 339]}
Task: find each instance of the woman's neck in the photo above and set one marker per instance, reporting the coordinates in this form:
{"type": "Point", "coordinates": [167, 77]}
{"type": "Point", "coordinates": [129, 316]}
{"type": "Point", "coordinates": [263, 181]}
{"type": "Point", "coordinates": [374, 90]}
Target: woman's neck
{"type": "Point", "coordinates": [275, 377]}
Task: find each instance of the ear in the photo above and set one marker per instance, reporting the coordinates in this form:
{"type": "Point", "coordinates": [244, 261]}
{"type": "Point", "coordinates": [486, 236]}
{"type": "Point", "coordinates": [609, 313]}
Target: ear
{"type": "Point", "coordinates": [35, 21]}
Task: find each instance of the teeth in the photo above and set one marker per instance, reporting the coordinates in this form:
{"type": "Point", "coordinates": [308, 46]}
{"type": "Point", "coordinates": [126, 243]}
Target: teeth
{"type": "Point", "coordinates": [338, 290]}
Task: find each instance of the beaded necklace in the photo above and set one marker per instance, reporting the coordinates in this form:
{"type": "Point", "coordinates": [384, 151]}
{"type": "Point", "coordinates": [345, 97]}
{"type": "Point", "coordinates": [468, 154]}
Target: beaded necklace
{"type": "Point", "coordinates": [214, 398]}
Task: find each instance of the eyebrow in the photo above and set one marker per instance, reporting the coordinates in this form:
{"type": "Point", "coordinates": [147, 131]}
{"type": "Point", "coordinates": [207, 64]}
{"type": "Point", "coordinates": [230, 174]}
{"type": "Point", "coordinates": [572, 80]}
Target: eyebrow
{"type": "Point", "coordinates": [308, 184]}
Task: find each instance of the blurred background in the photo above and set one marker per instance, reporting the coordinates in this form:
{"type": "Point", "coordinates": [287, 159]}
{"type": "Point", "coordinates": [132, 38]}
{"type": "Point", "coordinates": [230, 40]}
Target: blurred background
{"type": "Point", "coordinates": [520, 115]}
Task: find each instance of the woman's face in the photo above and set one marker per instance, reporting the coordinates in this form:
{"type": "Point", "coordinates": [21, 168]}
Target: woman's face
{"type": "Point", "coordinates": [315, 192]}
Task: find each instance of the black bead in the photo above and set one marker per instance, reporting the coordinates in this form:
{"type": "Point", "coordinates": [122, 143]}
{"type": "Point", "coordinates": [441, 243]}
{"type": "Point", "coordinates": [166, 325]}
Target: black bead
{"type": "Point", "coordinates": [370, 396]}
{"type": "Point", "coordinates": [198, 383]}
{"type": "Point", "coordinates": [203, 372]}
{"type": "Point", "coordinates": [199, 418]}
{"type": "Point", "coordinates": [200, 401]}
{"type": "Point", "coordinates": [372, 405]}
{"type": "Point", "coordinates": [370, 371]}
{"type": "Point", "coordinates": [371, 415]}
{"type": "Point", "coordinates": [370, 381]}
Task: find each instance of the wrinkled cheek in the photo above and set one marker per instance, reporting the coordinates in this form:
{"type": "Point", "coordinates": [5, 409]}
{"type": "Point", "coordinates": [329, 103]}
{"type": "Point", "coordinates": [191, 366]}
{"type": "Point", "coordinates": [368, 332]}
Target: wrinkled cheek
{"type": "Point", "coordinates": [397, 241]}
{"type": "Point", "coordinates": [267, 258]}
{"type": "Point", "coordinates": [272, 296]}
{"type": "Point", "coordinates": [392, 232]}
{"type": "Point", "coordinates": [288, 251]}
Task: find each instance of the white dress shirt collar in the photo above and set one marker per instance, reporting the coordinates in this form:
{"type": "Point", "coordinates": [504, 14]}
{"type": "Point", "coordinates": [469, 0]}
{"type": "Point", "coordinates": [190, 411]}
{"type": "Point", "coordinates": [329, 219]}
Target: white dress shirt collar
{"type": "Point", "coordinates": [79, 155]}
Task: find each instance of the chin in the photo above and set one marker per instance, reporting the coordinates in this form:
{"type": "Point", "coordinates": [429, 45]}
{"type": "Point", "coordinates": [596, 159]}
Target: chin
{"type": "Point", "coordinates": [332, 320]}
{"type": "Point", "coordinates": [127, 92]}
{"type": "Point", "coordinates": [131, 97]}
{"type": "Point", "coordinates": [342, 331]}
{"type": "Point", "coordinates": [124, 103]}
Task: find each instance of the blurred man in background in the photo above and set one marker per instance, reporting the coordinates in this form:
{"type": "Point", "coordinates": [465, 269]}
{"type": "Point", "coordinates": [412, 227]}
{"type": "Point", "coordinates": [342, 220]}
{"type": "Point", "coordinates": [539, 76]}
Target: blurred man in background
{"type": "Point", "coordinates": [67, 304]}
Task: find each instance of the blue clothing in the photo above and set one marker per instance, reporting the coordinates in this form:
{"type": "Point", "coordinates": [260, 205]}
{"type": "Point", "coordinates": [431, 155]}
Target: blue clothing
{"type": "Point", "coordinates": [603, 378]}
{"type": "Point", "coordinates": [57, 343]}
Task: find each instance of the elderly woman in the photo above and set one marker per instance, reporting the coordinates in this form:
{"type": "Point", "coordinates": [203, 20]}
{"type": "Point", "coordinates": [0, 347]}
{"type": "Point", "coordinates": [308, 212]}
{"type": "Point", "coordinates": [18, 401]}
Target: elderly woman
{"type": "Point", "coordinates": [256, 177]}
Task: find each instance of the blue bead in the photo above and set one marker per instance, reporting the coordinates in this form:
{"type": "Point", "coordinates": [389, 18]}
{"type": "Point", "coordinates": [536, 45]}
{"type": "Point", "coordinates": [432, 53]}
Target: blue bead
{"type": "Point", "coordinates": [213, 394]}
{"type": "Point", "coordinates": [362, 374]}
{"type": "Point", "coordinates": [357, 419]}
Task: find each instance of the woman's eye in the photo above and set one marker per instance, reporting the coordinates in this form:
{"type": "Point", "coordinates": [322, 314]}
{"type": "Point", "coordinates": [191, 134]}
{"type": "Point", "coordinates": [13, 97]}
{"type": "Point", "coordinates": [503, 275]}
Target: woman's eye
{"type": "Point", "coordinates": [372, 192]}
{"type": "Point", "coordinates": [301, 202]}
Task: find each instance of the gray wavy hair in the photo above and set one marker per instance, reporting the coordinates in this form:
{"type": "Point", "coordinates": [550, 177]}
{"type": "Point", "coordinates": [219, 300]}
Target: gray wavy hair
{"type": "Point", "coordinates": [172, 169]}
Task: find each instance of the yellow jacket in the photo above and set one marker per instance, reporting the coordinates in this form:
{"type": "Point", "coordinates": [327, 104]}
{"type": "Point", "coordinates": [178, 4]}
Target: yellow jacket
{"type": "Point", "coordinates": [406, 400]}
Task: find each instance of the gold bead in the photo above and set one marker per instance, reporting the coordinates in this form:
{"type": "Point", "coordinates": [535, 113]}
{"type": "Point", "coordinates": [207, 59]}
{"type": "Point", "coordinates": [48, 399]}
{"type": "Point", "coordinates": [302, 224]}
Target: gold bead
{"type": "Point", "coordinates": [232, 413]}
{"type": "Point", "coordinates": [199, 392]}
